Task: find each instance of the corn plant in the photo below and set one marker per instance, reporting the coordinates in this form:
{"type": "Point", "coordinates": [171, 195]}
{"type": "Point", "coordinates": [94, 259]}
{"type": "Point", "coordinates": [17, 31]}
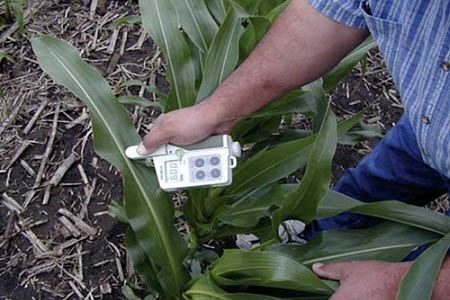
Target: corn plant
{"type": "Point", "coordinates": [15, 8]}
{"type": "Point", "coordinates": [202, 42]}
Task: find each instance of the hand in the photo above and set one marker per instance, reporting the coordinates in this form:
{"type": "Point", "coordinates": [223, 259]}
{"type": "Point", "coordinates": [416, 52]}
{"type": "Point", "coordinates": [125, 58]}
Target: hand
{"type": "Point", "coordinates": [374, 280]}
{"type": "Point", "coordinates": [186, 126]}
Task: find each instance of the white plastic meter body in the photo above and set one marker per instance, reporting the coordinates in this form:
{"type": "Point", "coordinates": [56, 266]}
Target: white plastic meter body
{"type": "Point", "coordinates": [207, 163]}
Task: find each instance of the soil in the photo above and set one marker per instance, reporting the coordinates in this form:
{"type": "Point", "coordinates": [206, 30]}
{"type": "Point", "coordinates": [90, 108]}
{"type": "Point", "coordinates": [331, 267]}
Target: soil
{"type": "Point", "coordinates": [96, 266]}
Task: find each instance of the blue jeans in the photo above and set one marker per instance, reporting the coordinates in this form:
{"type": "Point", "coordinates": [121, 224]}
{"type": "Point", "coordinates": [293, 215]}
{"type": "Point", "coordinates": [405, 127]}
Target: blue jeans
{"type": "Point", "coordinates": [394, 170]}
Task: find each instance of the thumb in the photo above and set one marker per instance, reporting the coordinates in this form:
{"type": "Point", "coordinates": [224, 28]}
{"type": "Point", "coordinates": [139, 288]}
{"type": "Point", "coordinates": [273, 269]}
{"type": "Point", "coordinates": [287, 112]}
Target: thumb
{"type": "Point", "coordinates": [334, 271]}
{"type": "Point", "coordinates": [153, 140]}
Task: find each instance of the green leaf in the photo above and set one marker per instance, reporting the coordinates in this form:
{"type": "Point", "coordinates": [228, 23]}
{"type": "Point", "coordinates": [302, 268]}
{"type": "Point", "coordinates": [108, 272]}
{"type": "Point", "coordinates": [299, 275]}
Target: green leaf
{"type": "Point", "coordinates": [335, 203]}
{"type": "Point", "coordinates": [303, 202]}
{"type": "Point", "coordinates": [347, 64]}
{"type": "Point", "coordinates": [277, 11]}
{"type": "Point", "coordinates": [143, 266]}
{"type": "Point", "coordinates": [270, 165]}
{"type": "Point", "coordinates": [129, 293]}
{"type": "Point", "coordinates": [267, 269]}
{"type": "Point", "coordinates": [248, 211]}
{"type": "Point", "coordinates": [218, 8]}
{"type": "Point", "coordinates": [267, 6]}
{"type": "Point", "coordinates": [17, 6]}
{"type": "Point", "coordinates": [117, 211]}
{"type": "Point", "coordinates": [136, 100]}
{"type": "Point", "coordinates": [387, 242]}
{"type": "Point", "coordinates": [197, 22]}
{"type": "Point", "coordinates": [419, 281]}
{"type": "Point", "coordinates": [353, 130]}
{"type": "Point", "coordinates": [131, 82]}
{"type": "Point", "coordinates": [317, 92]}
{"type": "Point", "coordinates": [294, 102]}
{"type": "Point", "coordinates": [198, 58]}
{"type": "Point", "coordinates": [222, 56]}
{"type": "Point", "coordinates": [7, 56]}
{"type": "Point", "coordinates": [158, 20]}
{"type": "Point", "coordinates": [206, 289]}
{"type": "Point", "coordinates": [153, 89]}
{"type": "Point", "coordinates": [255, 31]}
{"type": "Point", "coordinates": [126, 20]}
{"type": "Point", "coordinates": [150, 212]}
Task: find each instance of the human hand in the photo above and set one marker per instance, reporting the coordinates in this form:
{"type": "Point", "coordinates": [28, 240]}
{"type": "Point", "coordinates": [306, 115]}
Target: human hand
{"type": "Point", "coordinates": [186, 126]}
{"type": "Point", "coordinates": [374, 280]}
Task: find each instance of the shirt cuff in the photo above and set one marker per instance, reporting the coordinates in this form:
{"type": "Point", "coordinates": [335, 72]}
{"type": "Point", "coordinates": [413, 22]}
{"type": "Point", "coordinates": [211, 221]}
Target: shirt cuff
{"type": "Point", "coordinates": [347, 12]}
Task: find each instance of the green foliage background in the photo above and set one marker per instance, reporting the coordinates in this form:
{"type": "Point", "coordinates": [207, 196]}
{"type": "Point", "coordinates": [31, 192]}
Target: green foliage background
{"type": "Point", "coordinates": [202, 42]}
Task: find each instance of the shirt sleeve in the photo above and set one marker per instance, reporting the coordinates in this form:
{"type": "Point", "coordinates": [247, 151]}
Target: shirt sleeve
{"type": "Point", "coordinates": [347, 12]}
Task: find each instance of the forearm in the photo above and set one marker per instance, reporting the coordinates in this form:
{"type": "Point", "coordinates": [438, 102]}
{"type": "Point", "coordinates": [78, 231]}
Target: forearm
{"type": "Point", "coordinates": [300, 47]}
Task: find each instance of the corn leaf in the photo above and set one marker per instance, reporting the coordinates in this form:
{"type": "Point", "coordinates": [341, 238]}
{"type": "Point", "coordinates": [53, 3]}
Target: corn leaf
{"type": "Point", "coordinates": [126, 20]}
{"type": "Point", "coordinates": [353, 130]}
{"type": "Point", "coordinates": [387, 242]}
{"type": "Point", "coordinates": [268, 166]}
{"type": "Point", "coordinates": [268, 269]}
{"type": "Point", "coordinates": [141, 263]}
{"type": "Point", "coordinates": [316, 91]}
{"type": "Point", "coordinates": [250, 209]}
{"type": "Point", "coordinates": [347, 64]}
{"type": "Point", "coordinates": [149, 211]}
{"type": "Point", "coordinates": [218, 8]}
{"type": "Point", "coordinates": [206, 289]}
{"type": "Point", "coordinates": [303, 202]}
{"type": "Point", "coordinates": [136, 100]}
{"type": "Point", "coordinates": [293, 102]}
{"type": "Point", "coordinates": [17, 6]}
{"type": "Point", "coordinates": [277, 11]}
{"type": "Point", "coordinates": [419, 281]}
{"type": "Point", "coordinates": [222, 56]}
{"type": "Point", "coordinates": [196, 21]}
{"type": "Point", "coordinates": [254, 32]}
{"type": "Point", "coordinates": [158, 21]}
{"type": "Point", "coordinates": [335, 203]}
{"type": "Point", "coordinates": [7, 56]}
{"type": "Point", "coordinates": [267, 6]}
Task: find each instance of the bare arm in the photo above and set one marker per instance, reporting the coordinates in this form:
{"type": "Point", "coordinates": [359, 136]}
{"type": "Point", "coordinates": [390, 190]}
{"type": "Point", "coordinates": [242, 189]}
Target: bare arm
{"type": "Point", "coordinates": [301, 46]}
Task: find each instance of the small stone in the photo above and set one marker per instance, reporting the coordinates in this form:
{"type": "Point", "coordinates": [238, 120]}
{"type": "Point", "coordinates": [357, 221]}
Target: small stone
{"type": "Point", "coordinates": [105, 288]}
{"type": "Point", "coordinates": [445, 65]}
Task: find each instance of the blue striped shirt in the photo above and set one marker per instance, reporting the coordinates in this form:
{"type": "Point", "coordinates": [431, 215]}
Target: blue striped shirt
{"type": "Point", "coordinates": [414, 38]}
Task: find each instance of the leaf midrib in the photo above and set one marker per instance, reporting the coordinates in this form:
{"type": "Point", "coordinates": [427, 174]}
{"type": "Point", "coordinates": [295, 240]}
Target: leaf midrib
{"type": "Point", "coordinates": [197, 25]}
{"type": "Point", "coordinates": [127, 162]}
{"type": "Point", "coordinates": [166, 44]}
{"type": "Point", "coordinates": [230, 39]}
{"type": "Point", "coordinates": [344, 254]}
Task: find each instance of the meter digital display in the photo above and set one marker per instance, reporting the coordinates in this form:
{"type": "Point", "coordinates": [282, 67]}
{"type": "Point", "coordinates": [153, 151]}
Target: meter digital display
{"type": "Point", "coordinates": [172, 171]}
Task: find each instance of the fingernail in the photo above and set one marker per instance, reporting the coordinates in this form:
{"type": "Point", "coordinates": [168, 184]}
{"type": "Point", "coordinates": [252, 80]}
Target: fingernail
{"type": "Point", "coordinates": [317, 266]}
{"type": "Point", "coordinates": [141, 149]}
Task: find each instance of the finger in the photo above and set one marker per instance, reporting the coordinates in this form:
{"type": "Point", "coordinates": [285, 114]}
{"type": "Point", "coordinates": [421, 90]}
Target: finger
{"type": "Point", "coordinates": [335, 271]}
{"type": "Point", "coordinates": [153, 140]}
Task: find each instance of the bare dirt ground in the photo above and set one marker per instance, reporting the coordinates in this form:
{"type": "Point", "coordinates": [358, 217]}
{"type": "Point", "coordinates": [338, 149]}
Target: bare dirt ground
{"type": "Point", "coordinates": [56, 239]}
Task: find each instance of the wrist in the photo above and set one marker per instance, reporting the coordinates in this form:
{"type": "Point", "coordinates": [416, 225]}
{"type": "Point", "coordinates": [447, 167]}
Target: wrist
{"type": "Point", "coordinates": [218, 113]}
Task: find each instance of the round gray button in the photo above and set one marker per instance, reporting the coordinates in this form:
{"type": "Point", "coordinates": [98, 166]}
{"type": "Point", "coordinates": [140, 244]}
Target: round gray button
{"type": "Point", "coordinates": [199, 162]}
{"type": "Point", "coordinates": [215, 173]}
{"type": "Point", "coordinates": [200, 175]}
{"type": "Point", "coordinates": [214, 161]}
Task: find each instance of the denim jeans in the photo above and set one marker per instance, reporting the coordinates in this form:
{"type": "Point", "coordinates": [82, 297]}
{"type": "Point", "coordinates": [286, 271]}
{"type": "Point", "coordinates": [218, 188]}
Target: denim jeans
{"type": "Point", "coordinates": [394, 170]}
